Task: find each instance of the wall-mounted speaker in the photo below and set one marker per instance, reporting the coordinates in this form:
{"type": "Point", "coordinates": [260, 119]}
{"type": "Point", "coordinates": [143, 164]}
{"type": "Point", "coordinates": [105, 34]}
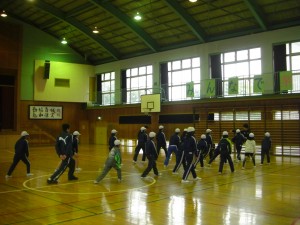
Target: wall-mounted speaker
{"type": "Point", "coordinates": [46, 69]}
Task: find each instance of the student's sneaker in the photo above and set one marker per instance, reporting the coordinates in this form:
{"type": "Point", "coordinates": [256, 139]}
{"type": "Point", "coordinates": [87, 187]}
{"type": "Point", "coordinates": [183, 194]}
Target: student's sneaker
{"type": "Point", "coordinates": [49, 181]}
{"type": "Point", "coordinates": [220, 173]}
{"type": "Point", "coordinates": [134, 162]}
{"type": "Point", "coordinates": [174, 172]}
{"type": "Point", "coordinates": [197, 178]}
{"type": "Point", "coordinates": [185, 181]}
{"type": "Point", "coordinates": [143, 177]}
{"type": "Point", "coordinates": [8, 176]}
{"type": "Point", "coordinates": [159, 174]}
{"type": "Point", "coordinates": [119, 180]}
{"type": "Point", "coordinates": [29, 174]}
{"type": "Point", "coordinates": [243, 168]}
{"type": "Point", "coordinates": [261, 164]}
{"type": "Point", "coordinates": [78, 169]}
{"type": "Point", "coordinates": [208, 165]}
{"type": "Point", "coordinates": [73, 178]}
{"type": "Point", "coordinates": [96, 182]}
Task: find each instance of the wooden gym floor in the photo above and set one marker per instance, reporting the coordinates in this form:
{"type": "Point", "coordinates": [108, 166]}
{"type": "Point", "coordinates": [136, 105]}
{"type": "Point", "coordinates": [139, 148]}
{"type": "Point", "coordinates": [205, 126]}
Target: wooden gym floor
{"type": "Point", "coordinates": [264, 195]}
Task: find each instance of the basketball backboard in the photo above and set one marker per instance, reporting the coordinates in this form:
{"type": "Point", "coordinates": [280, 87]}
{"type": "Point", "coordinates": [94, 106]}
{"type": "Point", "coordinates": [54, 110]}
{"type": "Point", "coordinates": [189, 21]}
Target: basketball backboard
{"type": "Point", "coordinates": [150, 103]}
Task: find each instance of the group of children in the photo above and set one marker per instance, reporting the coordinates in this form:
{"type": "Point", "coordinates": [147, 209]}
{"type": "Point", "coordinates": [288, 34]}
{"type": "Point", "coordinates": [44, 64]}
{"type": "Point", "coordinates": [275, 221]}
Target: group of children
{"type": "Point", "coordinates": [188, 151]}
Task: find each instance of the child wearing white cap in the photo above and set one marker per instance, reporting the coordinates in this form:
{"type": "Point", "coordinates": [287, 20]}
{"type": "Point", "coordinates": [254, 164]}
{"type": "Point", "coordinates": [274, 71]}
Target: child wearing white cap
{"type": "Point", "coordinates": [113, 160]}
{"type": "Point", "coordinates": [21, 153]}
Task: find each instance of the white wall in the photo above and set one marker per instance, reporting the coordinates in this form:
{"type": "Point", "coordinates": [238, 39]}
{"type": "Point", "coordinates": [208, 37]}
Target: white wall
{"type": "Point", "coordinates": [264, 40]}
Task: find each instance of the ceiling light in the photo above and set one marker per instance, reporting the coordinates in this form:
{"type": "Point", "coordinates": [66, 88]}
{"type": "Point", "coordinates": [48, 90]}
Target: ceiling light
{"type": "Point", "coordinates": [3, 14]}
{"type": "Point", "coordinates": [64, 41]}
{"type": "Point", "coordinates": [137, 16]}
{"type": "Point", "coordinates": [95, 31]}
{"type": "Point", "coordinates": [193, 0]}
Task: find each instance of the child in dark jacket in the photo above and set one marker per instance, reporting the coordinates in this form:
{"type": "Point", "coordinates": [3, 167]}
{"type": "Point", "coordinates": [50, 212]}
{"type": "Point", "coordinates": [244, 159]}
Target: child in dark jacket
{"type": "Point", "coordinates": [265, 148]}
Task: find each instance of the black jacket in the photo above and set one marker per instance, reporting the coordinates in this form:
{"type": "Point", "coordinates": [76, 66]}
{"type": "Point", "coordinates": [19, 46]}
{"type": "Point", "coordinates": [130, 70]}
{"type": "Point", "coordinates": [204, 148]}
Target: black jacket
{"type": "Point", "coordinates": [21, 147]}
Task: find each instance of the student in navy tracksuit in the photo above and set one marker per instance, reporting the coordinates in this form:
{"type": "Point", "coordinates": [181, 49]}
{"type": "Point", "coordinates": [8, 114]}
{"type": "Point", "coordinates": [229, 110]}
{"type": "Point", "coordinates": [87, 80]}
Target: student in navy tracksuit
{"type": "Point", "coordinates": [180, 158]}
{"type": "Point", "coordinates": [21, 153]}
{"type": "Point", "coordinates": [225, 151]}
{"type": "Point", "coordinates": [238, 141]}
{"type": "Point", "coordinates": [202, 149]}
{"type": "Point", "coordinates": [210, 144]}
{"type": "Point", "coordinates": [112, 138]}
{"type": "Point", "coordinates": [64, 150]}
{"type": "Point", "coordinates": [190, 150]}
{"type": "Point", "coordinates": [161, 140]}
{"type": "Point", "coordinates": [152, 155]}
{"type": "Point", "coordinates": [142, 139]}
{"type": "Point", "coordinates": [173, 146]}
{"type": "Point", "coordinates": [266, 145]}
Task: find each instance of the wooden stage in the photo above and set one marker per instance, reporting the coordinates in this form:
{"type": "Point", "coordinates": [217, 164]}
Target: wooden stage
{"type": "Point", "coordinates": [268, 194]}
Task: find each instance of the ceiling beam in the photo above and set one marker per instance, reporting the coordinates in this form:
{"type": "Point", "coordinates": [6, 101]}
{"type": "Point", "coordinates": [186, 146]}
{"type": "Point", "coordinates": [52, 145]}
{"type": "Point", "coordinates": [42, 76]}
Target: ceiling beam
{"type": "Point", "coordinates": [257, 13]}
{"type": "Point", "coordinates": [126, 20]}
{"type": "Point", "coordinates": [79, 26]}
{"type": "Point", "coordinates": [188, 19]}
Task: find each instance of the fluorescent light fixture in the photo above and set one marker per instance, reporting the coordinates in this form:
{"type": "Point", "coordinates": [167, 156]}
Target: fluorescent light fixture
{"type": "Point", "coordinates": [193, 0]}
{"type": "Point", "coordinates": [137, 16]}
{"type": "Point", "coordinates": [95, 31]}
{"type": "Point", "coordinates": [3, 14]}
{"type": "Point", "coordinates": [64, 41]}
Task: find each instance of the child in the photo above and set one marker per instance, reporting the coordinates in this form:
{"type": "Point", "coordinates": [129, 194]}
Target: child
{"type": "Point", "coordinates": [265, 148]}
{"type": "Point", "coordinates": [75, 149]}
{"type": "Point", "coordinates": [114, 160]}
{"type": "Point", "coordinates": [250, 147]}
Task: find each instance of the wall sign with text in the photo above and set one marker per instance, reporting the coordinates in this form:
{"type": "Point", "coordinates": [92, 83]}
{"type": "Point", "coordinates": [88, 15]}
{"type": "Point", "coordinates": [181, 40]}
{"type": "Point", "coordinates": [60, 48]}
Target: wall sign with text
{"type": "Point", "coordinates": [45, 112]}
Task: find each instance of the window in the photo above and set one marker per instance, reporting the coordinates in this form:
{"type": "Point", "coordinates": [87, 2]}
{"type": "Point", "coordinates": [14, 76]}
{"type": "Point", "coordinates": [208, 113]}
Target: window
{"type": "Point", "coordinates": [286, 115]}
{"type": "Point", "coordinates": [138, 82]}
{"type": "Point", "coordinates": [243, 64]}
{"type": "Point", "coordinates": [108, 88]}
{"type": "Point", "coordinates": [180, 75]}
{"type": "Point", "coordinates": [243, 115]}
{"type": "Point", "coordinates": [239, 116]}
{"type": "Point", "coordinates": [293, 63]}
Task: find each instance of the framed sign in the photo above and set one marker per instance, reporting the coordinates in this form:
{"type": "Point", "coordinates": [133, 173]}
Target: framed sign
{"type": "Point", "coordinates": [45, 112]}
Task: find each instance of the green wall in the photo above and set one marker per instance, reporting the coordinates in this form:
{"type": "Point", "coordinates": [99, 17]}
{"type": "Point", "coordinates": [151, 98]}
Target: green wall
{"type": "Point", "coordinates": [38, 45]}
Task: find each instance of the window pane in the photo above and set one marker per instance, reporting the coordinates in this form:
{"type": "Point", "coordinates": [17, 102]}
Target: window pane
{"type": "Point", "coordinates": [186, 76]}
{"type": "Point", "coordinates": [243, 115]}
{"type": "Point", "coordinates": [229, 71]}
{"type": "Point", "coordinates": [128, 73]}
{"type": "Point", "coordinates": [186, 63]}
{"type": "Point", "coordinates": [134, 83]}
{"type": "Point", "coordinates": [196, 62]}
{"type": "Point", "coordinates": [176, 93]}
{"type": "Point", "coordinates": [134, 71]}
{"type": "Point", "coordinates": [142, 81]}
{"type": "Point", "coordinates": [242, 69]}
{"type": "Point", "coordinates": [227, 116]}
{"type": "Point", "coordinates": [176, 65]}
{"type": "Point", "coordinates": [196, 75]}
{"type": "Point", "coordinates": [296, 63]}
{"type": "Point", "coordinates": [242, 55]}
{"type": "Point", "coordinates": [142, 70]}
{"type": "Point", "coordinates": [229, 57]}
{"type": "Point", "coordinates": [177, 78]}
{"type": "Point", "coordinates": [255, 53]}
{"type": "Point", "coordinates": [106, 86]}
{"type": "Point", "coordinates": [255, 115]}
{"type": "Point", "coordinates": [112, 76]}
{"type": "Point", "coordinates": [255, 67]}
{"type": "Point", "coordinates": [106, 99]}
{"type": "Point", "coordinates": [149, 70]}
{"type": "Point", "coordinates": [295, 47]}
{"type": "Point", "coordinates": [112, 85]}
